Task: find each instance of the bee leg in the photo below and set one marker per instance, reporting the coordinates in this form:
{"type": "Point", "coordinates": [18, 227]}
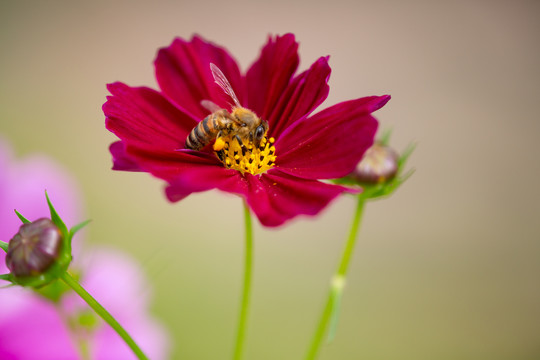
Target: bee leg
{"type": "Point", "coordinates": [239, 140]}
{"type": "Point", "coordinates": [220, 143]}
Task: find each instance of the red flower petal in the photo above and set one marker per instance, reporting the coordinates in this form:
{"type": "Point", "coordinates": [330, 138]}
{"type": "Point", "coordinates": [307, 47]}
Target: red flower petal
{"type": "Point", "coordinates": [121, 161]}
{"type": "Point", "coordinates": [183, 74]}
{"type": "Point", "coordinates": [277, 197]}
{"type": "Point", "coordinates": [143, 117]}
{"type": "Point", "coordinates": [307, 91]}
{"type": "Point", "coordinates": [329, 144]}
{"type": "Point", "coordinates": [202, 178]}
{"type": "Point", "coordinates": [270, 75]}
{"type": "Point", "coordinates": [172, 165]}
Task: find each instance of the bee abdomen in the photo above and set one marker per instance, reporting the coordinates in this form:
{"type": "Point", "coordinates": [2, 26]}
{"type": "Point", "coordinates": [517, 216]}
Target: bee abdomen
{"type": "Point", "coordinates": [202, 134]}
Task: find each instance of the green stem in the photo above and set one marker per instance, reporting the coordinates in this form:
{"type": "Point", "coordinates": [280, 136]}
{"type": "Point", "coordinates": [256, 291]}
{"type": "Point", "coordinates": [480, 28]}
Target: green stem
{"type": "Point", "coordinates": [104, 314]}
{"type": "Point", "coordinates": [338, 282]}
{"type": "Point", "coordinates": [351, 241]}
{"type": "Point", "coordinates": [244, 306]}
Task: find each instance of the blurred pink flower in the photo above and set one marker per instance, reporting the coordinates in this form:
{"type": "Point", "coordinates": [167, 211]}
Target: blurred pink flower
{"type": "Point", "coordinates": [33, 327]}
{"type": "Point", "coordinates": [22, 187]}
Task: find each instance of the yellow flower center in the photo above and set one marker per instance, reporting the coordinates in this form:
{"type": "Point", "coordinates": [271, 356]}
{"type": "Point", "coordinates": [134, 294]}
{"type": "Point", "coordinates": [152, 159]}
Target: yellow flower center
{"type": "Point", "coordinates": [247, 158]}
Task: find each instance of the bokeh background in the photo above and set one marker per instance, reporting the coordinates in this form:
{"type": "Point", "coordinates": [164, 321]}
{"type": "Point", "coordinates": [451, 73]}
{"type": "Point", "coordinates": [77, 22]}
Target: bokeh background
{"type": "Point", "coordinates": [446, 268]}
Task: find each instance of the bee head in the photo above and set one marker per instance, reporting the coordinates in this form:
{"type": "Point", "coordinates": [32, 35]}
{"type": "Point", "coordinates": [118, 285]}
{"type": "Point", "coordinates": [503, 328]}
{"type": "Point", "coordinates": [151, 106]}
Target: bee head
{"type": "Point", "coordinates": [259, 132]}
{"type": "Point", "coordinates": [253, 127]}
{"type": "Point", "coordinates": [245, 117]}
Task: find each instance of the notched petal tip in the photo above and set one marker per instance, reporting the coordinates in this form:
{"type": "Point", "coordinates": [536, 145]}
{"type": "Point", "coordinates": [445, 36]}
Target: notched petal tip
{"type": "Point", "coordinates": [290, 37]}
{"type": "Point", "coordinates": [112, 87]}
{"type": "Point", "coordinates": [174, 194]}
{"type": "Point", "coordinates": [121, 161]}
{"type": "Point", "coordinates": [184, 76]}
{"type": "Point", "coordinates": [271, 73]}
{"type": "Point", "coordinates": [305, 92]}
{"type": "Point", "coordinates": [330, 143]}
{"type": "Point", "coordinates": [380, 102]}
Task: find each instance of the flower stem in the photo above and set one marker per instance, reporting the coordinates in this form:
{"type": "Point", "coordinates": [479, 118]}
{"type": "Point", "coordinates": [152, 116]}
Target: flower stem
{"type": "Point", "coordinates": [244, 306]}
{"type": "Point", "coordinates": [330, 311]}
{"type": "Point", "coordinates": [104, 314]}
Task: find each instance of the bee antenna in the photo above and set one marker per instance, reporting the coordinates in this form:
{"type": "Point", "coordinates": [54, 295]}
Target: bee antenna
{"type": "Point", "coordinates": [223, 83]}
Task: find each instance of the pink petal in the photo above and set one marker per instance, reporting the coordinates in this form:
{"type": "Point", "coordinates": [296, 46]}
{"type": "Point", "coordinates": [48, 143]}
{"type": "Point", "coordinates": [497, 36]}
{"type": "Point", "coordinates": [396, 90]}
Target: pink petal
{"type": "Point", "coordinates": [149, 335]}
{"type": "Point", "coordinates": [22, 186]}
{"type": "Point", "coordinates": [329, 144]}
{"type": "Point", "coordinates": [143, 117]}
{"type": "Point", "coordinates": [111, 276]}
{"type": "Point", "coordinates": [307, 91]}
{"type": "Point", "coordinates": [183, 74]}
{"type": "Point", "coordinates": [270, 75]}
{"type": "Point", "coordinates": [277, 197]}
{"type": "Point", "coordinates": [119, 284]}
{"type": "Point", "coordinates": [35, 330]}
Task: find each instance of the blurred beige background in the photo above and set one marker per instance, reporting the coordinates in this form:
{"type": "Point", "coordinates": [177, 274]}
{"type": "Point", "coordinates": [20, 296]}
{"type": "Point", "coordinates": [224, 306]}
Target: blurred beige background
{"type": "Point", "coordinates": [447, 268]}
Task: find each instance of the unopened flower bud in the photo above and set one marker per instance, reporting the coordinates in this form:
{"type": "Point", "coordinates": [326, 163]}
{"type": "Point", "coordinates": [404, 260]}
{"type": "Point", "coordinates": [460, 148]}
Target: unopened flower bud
{"type": "Point", "coordinates": [34, 248]}
{"type": "Point", "coordinates": [379, 164]}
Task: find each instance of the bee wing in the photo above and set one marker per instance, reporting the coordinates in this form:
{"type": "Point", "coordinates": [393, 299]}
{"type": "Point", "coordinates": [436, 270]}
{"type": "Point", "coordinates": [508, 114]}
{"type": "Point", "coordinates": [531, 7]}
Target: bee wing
{"type": "Point", "coordinates": [210, 106]}
{"type": "Point", "coordinates": [223, 83]}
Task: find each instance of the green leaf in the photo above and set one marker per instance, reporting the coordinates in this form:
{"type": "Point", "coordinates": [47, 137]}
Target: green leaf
{"type": "Point", "coordinates": [6, 277]}
{"type": "Point", "coordinates": [88, 320]}
{"type": "Point", "coordinates": [405, 155]}
{"type": "Point", "coordinates": [56, 218]}
{"type": "Point", "coordinates": [23, 219]}
{"type": "Point", "coordinates": [78, 227]}
{"type": "Point", "coordinates": [53, 290]}
{"type": "Point", "coordinates": [385, 137]}
{"type": "Point", "coordinates": [4, 246]}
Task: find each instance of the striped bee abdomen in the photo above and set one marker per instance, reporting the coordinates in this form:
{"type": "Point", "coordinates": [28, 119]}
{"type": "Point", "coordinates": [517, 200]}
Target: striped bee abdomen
{"type": "Point", "coordinates": [201, 135]}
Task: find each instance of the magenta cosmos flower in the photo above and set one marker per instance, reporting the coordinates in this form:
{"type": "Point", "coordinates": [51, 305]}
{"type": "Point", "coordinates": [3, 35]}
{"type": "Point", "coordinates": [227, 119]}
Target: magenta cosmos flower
{"type": "Point", "coordinates": [279, 180]}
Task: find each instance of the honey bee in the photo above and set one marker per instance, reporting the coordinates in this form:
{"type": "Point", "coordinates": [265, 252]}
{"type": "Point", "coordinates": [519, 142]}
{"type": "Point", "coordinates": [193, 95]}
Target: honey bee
{"type": "Point", "coordinates": [241, 124]}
